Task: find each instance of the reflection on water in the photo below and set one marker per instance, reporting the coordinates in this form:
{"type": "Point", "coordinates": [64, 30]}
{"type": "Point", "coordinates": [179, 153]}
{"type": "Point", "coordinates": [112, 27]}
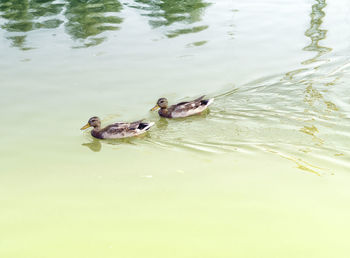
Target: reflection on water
{"type": "Point", "coordinates": [168, 12]}
{"type": "Point", "coordinates": [287, 116]}
{"type": "Point", "coordinates": [313, 97]}
{"type": "Point", "coordinates": [23, 16]}
{"type": "Point", "coordinates": [262, 156]}
{"type": "Point", "coordinates": [87, 19]}
{"type": "Point", "coordinates": [95, 145]}
{"type": "Point", "coordinates": [316, 110]}
{"type": "Point", "coordinates": [315, 33]}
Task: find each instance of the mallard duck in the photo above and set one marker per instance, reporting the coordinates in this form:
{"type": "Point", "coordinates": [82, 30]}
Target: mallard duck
{"type": "Point", "coordinates": [117, 130]}
{"type": "Point", "coordinates": [182, 109]}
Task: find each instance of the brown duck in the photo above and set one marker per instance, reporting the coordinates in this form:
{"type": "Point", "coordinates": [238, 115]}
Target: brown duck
{"type": "Point", "coordinates": [182, 109]}
{"type": "Point", "coordinates": [116, 130]}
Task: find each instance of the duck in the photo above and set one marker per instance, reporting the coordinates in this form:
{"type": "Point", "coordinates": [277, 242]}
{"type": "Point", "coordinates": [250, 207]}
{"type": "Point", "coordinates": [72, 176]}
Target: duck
{"type": "Point", "coordinates": [116, 130]}
{"type": "Point", "coordinates": [183, 109]}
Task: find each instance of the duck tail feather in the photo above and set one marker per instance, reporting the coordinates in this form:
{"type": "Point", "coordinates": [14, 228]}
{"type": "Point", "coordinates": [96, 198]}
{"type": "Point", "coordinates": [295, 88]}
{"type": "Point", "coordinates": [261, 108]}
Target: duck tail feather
{"type": "Point", "coordinates": [207, 102]}
{"type": "Point", "coordinates": [210, 101]}
{"type": "Point", "coordinates": [138, 121]}
{"type": "Point", "coordinates": [145, 126]}
{"type": "Point", "coordinates": [199, 99]}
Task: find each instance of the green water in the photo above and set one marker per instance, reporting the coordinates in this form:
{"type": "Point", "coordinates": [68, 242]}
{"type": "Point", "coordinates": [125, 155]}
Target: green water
{"type": "Point", "coordinates": [265, 173]}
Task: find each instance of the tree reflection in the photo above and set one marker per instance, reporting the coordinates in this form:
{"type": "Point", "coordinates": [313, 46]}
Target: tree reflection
{"type": "Point", "coordinates": [87, 19]}
{"type": "Point", "coordinates": [316, 102]}
{"type": "Point", "coordinates": [22, 16]}
{"type": "Point", "coordinates": [314, 97]}
{"type": "Point", "coordinates": [315, 33]}
{"type": "Point", "coordinates": [169, 12]}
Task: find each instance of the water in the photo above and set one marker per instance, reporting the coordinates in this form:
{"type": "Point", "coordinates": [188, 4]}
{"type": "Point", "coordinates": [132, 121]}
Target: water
{"type": "Point", "coordinates": [264, 173]}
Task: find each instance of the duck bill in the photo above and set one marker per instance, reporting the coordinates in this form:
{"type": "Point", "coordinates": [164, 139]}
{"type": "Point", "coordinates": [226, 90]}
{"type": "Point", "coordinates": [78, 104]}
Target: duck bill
{"type": "Point", "coordinates": [156, 107]}
{"type": "Point", "coordinates": [85, 126]}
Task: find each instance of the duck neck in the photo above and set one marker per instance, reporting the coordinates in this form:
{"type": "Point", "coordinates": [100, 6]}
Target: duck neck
{"type": "Point", "coordinates": [96, 132]}
{"type": "Point", "coordinates": [164, 112]}
{"type": "Point", "coordinates": [96, 128]}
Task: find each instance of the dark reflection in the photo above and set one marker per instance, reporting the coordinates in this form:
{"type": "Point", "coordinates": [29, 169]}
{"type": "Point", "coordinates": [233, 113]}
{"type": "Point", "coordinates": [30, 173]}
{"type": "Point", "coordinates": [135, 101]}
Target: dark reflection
{"type": "Point", "coordinates": [21, 16]}
{"type": "Point", "coordinates": [162, 123]}
{"type": "Point", "coordinates": [95, 145]}
{"type": "Point", "coordinates": [88, 18]}
{"type": "Point", "coordinates": [315, 33]}
{"type": "Point", "coordinates": [169, 12]}
{"type": "Point", "coordinates": [313, 95]}
{"type": "Point", "coordinates": [314, 82]}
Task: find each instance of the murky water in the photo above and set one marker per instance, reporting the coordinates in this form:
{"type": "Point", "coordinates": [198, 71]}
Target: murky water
{"type": "Point", "coordinates": [264, 173]}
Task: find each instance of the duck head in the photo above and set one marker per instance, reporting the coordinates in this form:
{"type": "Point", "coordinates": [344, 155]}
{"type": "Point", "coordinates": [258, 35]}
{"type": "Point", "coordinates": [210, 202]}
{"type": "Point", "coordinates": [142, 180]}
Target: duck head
{"type": "Point", "coordinates": [161, 103]}
{"type": "Point", "coordinates": [94, 122]}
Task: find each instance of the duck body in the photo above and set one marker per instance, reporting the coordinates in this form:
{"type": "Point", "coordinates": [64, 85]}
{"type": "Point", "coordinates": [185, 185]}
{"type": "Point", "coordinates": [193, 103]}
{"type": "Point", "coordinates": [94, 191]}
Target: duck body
{"type": "Point", "coordinates": [117, 130]}
{"type": "Point", "coordinates": [183, 109]}
{"type": "Point", "coordinates": [121, 130]}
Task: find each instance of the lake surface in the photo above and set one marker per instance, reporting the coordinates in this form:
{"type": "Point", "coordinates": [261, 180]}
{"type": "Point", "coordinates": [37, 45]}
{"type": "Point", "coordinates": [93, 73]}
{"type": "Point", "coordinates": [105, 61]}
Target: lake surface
{"type": "Point", "coordinates": [264, 173]}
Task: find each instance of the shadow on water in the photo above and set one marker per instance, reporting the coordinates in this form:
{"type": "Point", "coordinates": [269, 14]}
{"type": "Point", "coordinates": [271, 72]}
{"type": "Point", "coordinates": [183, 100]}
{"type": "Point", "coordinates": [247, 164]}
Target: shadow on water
{"type": "Point", "coordinates": [84, 20]}
{"type": "Point", "coordinates": [179, 17]}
